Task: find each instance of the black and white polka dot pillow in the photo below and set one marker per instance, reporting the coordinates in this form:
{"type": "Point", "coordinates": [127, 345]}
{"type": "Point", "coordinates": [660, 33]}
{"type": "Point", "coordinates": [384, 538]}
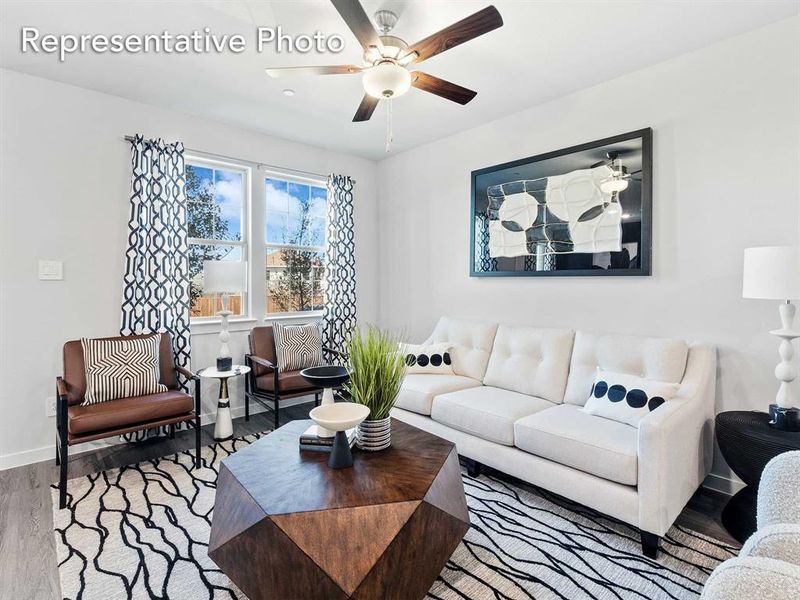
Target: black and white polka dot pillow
{"type": "Point", "coordinates": [627, 398]}
{"type": "Point", "coordinates": [433, 359]}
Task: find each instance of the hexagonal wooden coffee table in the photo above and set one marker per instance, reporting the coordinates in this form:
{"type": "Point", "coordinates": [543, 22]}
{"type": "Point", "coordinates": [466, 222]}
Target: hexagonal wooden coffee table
{"type": "Point", "coordinates": [287, 526]}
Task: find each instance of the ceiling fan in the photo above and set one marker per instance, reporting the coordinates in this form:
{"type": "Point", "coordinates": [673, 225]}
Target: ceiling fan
{"type": "Point", "coordinates": [617, 181]}
{"type": "Point", "coordinates": [387, 58]}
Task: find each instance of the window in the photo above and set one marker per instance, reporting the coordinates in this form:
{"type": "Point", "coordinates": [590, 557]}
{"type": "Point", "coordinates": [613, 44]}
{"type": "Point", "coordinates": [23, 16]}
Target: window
{"type": "Point", "coordinates": [295, 244]}
{"type": "Point", "coordinates": [216, 197]}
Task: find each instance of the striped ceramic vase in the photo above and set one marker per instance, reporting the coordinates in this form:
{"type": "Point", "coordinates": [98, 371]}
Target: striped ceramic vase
{"type": "Point", "coordinates": [374, 435]}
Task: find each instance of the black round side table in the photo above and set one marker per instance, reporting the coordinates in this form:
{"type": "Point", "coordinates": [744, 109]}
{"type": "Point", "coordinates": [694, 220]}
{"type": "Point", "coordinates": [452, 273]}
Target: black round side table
{"type": "Point", "coordinates": [748, 443]}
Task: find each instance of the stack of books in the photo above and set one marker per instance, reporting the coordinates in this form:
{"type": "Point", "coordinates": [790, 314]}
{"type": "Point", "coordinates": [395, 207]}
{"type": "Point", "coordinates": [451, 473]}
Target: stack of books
{"type": "Point", "coordinates": [310, 440]}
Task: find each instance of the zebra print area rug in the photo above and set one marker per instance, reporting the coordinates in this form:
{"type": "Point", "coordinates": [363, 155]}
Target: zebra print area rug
{"type": "Point", "coordinates": [142, 532]}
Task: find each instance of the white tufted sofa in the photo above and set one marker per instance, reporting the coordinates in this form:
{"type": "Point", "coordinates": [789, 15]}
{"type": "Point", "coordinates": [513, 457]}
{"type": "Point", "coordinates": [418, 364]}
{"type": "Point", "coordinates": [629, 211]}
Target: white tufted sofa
{"type": "Point", "coordinates": [515, 404]}
{"type": "Point", "coordinates": [768, 567]}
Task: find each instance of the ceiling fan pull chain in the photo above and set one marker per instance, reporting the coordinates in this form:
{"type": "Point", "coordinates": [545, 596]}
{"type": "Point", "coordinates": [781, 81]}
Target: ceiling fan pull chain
{"type": "Point", "coordinates": [389, 131]}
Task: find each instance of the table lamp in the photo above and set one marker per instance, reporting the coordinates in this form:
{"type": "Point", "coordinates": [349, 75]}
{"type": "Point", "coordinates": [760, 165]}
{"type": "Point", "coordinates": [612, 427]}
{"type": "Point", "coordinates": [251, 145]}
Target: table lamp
{"type": "Point", "coordinates": [773, 273]}
{"type": "Point", "coordinates": [224, 277]}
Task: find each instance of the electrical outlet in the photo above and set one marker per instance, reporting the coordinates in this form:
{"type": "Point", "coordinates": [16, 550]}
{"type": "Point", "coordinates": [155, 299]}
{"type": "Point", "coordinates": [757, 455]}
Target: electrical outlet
{"type": "Point", "coordinates": [50, 406]}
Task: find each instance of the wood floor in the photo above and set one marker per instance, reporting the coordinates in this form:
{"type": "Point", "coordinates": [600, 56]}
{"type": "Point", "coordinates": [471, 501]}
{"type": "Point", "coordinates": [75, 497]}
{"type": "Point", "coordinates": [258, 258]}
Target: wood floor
{"type": "Point", "coordinates": [28, 568]}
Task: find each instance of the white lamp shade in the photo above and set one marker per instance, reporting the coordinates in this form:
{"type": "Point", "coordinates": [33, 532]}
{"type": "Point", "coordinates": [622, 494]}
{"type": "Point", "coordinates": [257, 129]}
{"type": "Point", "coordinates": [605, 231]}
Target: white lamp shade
{"type": "Point", "coordinates": [224, 276]}
{"type": "Point", "coordinates": [772, 273]}
{"type": "Point", "coordinates": [386, 80]}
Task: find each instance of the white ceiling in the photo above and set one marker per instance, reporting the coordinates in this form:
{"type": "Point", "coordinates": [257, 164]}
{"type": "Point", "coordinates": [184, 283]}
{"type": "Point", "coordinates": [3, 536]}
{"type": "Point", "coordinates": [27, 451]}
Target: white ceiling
{"type": "Point", "coordinates": [545, 50]}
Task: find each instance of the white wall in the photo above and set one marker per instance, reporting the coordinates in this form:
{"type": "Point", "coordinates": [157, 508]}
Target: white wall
{"type": "Point", "coordinates": [726, 123]}
{"type": "Point", "coordinates": [64, 195]}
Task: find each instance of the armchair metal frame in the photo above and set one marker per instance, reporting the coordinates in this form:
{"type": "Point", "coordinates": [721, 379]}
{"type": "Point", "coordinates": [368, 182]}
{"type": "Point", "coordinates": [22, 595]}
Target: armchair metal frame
{"type": "Point", "coordinates": [64, 439]}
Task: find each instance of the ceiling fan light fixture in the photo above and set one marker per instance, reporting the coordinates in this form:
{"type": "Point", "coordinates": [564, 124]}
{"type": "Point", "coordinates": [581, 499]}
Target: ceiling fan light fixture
{"type": "Point", "coordinates": [610, 186]}
{"type": "Point", "coordinates": [386, 80]}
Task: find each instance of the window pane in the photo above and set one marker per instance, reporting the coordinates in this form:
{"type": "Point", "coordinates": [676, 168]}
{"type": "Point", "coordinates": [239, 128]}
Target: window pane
{"type": "Point", "coordinates": [296, 213]}
{"type": "Point", "coordinates": [215, 200]}
{"type": "Point", "coordinates": [318, 214]}
{"type": "Point", "coordinates": [229, 196]}
{"type": "Point", "coordinates": [207, 305]}
{"type": "Point", "coordinates": [277, 211]}
{"type": "Point", "coordinates": [294, 280]}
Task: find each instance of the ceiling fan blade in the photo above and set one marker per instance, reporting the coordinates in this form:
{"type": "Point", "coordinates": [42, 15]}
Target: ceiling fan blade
{"type": "Point", "coordinates": [464, 30]}
{"type": "Point", "coordinates": [440, 87]}
{"type": "Point", "coordinates": [331, 70]}
{"type": "Point", "coordinates": [357, 20]}
{"type": "Point", "coordinates": [365, 109]}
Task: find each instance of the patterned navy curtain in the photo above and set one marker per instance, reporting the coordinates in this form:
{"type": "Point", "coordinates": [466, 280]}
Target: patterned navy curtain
{"type": "Point", "coordinates": [339, 315]}
{"type": "Point", "coordinates": [156, 282]}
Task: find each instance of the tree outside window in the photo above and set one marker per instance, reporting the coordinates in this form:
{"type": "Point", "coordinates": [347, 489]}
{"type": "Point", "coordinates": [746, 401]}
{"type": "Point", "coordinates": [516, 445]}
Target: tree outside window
{"type": "Point", "coordinates": [215, 208]}
{"type": "Point", "coordinates": [295, 249]}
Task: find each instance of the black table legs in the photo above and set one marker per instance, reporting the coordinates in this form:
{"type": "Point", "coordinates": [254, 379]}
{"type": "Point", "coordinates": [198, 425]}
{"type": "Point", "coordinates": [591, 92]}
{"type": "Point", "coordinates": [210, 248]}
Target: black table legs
{"type": "Point", "coordinates": [739, 514]}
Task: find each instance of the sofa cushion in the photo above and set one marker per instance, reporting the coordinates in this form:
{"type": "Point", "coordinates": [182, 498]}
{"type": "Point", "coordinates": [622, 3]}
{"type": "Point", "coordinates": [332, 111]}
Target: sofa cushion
{"type": "Point", "coordinates": [567, 435]}
{"type": "Point", "coordinates": [471, 344]}
{"type": "Point", "coordinates": [419, 390]}
{"type": "Point", "coordinates": [288, 381]}
{"type": "Point", "coordinates": [658, 359]}
{"type": "Point", "coordinates": [530, 360]}
{"type": "Point", "coordinates": [124, 412]}
{"type": "Point", "coordinates": [486, 412]}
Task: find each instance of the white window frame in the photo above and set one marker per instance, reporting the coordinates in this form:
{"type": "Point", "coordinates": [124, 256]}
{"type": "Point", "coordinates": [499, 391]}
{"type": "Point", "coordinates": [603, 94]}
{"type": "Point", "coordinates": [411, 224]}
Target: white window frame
{"type": "Point", "coordinates": [316, 182]}
{"type": "Point", "coordinates": [247, 172]}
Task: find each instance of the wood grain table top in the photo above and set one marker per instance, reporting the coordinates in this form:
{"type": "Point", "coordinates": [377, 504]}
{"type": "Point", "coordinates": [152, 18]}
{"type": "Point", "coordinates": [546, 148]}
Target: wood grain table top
{"type": "Point", "coordinates": [283, 479]}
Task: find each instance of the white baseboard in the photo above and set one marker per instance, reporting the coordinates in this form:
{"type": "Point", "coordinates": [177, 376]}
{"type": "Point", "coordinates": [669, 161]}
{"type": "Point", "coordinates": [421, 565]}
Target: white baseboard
{"type": "Point", "coordinates": [718, 483]}
{"type": "Point", "coordinates": [27, 457]}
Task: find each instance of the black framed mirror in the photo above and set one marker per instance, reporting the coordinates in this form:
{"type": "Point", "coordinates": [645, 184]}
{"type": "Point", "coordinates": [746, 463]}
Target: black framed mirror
{"type": "Point", "coordinates": [581, 211]}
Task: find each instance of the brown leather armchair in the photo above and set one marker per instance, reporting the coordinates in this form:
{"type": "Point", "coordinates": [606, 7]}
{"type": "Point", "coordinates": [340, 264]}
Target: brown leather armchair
{"type": "Point", "coordinates": [76, 423]}
{"type": "Point", "coordinates": [264, 382]}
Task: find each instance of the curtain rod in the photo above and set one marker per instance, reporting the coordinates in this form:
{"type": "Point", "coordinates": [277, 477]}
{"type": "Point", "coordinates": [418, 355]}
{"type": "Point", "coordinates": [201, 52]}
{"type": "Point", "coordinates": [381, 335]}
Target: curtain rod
{"type": "Point", "coordinates": [130, 138]}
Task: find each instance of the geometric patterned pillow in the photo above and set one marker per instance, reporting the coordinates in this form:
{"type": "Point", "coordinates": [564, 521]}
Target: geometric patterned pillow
{"type": "Point", "coordinates": [298, 346]}
{"type": "Point", "coordinates": [121, 368]}
{"type": "Point", "coordinates": [627, 398]}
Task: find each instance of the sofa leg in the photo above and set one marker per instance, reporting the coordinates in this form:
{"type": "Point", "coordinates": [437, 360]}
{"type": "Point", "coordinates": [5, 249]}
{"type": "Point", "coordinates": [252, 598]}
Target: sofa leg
{"type": "Point", "coordinates": [62, 480]}
{"type": "Point", "coordinates": [172, 431]}
{"type": "Point", "coordinates": [316, 399]}
{"type": "Point", "coordinates": [58, 458]}
{"type": "Point", "coordinates": [275, 409]}
{"type": "Point", "coordinates": [247, 407]}
{"type": "Point", "coordinates": [473, 468]}
{"type": "Point", "coordinates": [650, 543]}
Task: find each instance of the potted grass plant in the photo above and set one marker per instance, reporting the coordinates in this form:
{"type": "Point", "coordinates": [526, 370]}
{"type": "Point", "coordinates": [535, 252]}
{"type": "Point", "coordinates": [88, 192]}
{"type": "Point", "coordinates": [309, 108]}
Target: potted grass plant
{"type": "Point", "coordinates": [377, 370]}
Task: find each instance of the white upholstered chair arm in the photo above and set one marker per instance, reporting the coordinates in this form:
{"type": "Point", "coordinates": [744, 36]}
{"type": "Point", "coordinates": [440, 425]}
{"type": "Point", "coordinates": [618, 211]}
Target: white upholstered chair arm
{"type": "Point", "coordinates": [780, 541]}
{"type": "Point", "coordinates": [779, 491]}
{"type": "Point", "coordinates": [676, 445]}
{"type": "Point", "coordinates": [752, 577]}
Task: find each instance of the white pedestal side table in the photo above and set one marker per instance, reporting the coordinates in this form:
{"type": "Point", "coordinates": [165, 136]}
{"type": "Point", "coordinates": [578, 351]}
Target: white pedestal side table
{"type": "Point", "coordinates": [223, 428]}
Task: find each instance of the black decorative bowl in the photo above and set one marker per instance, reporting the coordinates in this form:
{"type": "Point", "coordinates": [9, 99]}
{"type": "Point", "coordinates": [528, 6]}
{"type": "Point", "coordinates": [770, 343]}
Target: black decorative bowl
{"type": "Point", "coordinates": [325, 377]}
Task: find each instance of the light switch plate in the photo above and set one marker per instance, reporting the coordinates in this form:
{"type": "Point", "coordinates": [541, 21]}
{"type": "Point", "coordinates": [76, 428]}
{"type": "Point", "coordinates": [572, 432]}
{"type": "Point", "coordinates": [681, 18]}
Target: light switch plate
{"type": "Point", "coordinates": [51, 270]}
